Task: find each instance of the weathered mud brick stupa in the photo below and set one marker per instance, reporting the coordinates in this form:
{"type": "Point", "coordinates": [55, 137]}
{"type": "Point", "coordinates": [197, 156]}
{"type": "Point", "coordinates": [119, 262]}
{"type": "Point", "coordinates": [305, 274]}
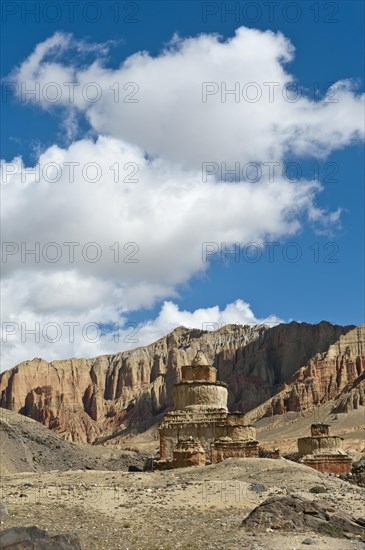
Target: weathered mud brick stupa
{"type": "Point", "coordinates": [200, 430]}
{"type": "Point", "coordinates": [323, 451]}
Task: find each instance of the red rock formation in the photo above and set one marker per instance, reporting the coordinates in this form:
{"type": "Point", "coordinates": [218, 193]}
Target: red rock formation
{"type": "Point", "coordinates": [84, 399]}
{"type": "Point", "coordinates": [352, 396]}
{"type": "Point", "coordinates": [322, 378]}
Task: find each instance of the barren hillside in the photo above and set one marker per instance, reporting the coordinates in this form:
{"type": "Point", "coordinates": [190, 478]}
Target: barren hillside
{"type": "Point", "coordinates": [85, 400]}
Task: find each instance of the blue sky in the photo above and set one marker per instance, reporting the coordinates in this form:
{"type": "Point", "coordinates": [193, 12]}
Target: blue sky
{"type": "Point", "coordinates": [327, 280]}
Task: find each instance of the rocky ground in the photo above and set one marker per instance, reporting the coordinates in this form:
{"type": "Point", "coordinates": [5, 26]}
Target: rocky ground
{"type": "Point", "coordinates": [87, 490]}
{"type": "Point", "coordinates": [27, 445]}
{"type": "Point", "coordinates": [192, 508]}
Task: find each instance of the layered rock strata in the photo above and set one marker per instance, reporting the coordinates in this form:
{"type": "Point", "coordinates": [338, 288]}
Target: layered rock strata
{"type": "Point", "coordinates": [322, 378]}
{"type": "Point", "coordinates": [88, 400]}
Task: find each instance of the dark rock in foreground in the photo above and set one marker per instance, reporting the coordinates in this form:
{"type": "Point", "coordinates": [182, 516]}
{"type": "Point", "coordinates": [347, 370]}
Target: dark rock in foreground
{"type": "Point", "coordinates": [299, 514]}
{"type": "Point", "coordinates": [17, 538]}
{"type": "Point", "coordinates": [3, 510]}
{"type": "Point", "coordinates": [357, 474]}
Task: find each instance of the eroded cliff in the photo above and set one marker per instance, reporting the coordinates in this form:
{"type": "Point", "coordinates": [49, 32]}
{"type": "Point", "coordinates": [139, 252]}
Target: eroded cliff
{"type": "Point", "coordinates": [322, 378]}
{"type": "Point", "coordinates": [86, 399]}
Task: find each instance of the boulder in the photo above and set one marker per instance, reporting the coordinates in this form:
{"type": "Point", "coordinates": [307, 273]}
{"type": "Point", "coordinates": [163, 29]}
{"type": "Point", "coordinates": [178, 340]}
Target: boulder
{"type": "Point", "coordinates": [33, 538]}
{"type": "Point", "coordinates": [3, 510]}
{"type": "Point", "coordinates": [293, 513]}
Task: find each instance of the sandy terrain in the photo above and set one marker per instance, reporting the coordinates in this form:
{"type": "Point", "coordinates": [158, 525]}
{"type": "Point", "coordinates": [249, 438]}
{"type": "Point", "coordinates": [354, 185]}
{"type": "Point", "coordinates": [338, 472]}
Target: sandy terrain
{"type": "Point", "coordinates": [61, 487]}
{"type": "Point", "coordinates": [191, 508]}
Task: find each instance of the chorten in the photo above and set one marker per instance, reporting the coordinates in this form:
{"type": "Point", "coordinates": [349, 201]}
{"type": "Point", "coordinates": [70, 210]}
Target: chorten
{"type": "Point", "coordinates": [200, 415]}
{"type": "Point", "coordinates": [199, 389]}
{"type": "Point", "coordinates": [323, 451]}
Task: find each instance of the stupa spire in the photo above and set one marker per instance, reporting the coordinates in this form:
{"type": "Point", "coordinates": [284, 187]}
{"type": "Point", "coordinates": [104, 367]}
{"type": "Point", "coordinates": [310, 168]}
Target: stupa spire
{"type": "Point", "coordinates": [199, 360]}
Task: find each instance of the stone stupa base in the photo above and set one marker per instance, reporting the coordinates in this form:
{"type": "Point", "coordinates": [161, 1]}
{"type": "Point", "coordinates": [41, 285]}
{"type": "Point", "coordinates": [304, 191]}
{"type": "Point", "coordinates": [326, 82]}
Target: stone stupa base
{"type": "Point", "coordinates": [200, 429]}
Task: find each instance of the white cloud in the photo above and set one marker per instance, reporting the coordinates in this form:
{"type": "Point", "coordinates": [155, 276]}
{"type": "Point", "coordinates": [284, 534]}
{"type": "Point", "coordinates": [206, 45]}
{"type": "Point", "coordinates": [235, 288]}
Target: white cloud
{"type": "Point", "coordinates": [170, 317]}
{"type": "Point", "coordinates": [55, 335]}
{"type": "Point", "coordinates": [167, 116]}
{"type": "Point", "coordinates": [168, 214]}
{"type": "Point", "coordinates": [163, 217]}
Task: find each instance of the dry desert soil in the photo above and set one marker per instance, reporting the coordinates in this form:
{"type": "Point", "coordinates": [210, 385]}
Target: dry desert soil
{"type": "Point", "coordinates": [62, 487]}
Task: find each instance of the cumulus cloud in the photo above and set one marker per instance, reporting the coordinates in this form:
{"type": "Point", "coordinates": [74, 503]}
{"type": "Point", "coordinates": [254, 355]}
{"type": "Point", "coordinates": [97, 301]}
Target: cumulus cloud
{"type": "Point", "coordinates": [170, 316]}
{"type": "Point", "coordinates": [95, 251]}
{"type": "Point", "coordinates": [53, 334]}
{"type": "Point", "coordinates": [159, 218]}
{"type": "Point", "coordinates": [118, 222]}
{"type": "Point", "coordinates": [179, 106]}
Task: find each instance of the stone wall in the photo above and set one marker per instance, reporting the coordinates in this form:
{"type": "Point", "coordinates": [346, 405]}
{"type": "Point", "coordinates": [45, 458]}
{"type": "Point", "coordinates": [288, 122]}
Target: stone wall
{"type": "Point", "coordinates": [335, 464]}
{"type": "Point", "coordinates": [320, 429]}
{"type": "Point", "coordinates": [188, 452]}
{"type": "Point", "coordinates": [203, 425]}
{"type": "Point", "coordinates": [170, 434]}
{"type": "Point", "coordinates": [203, 372]}
{"type": "Point", "coordinates": [239, 432]}
{"type": "Point", "coordinates": [223, 449]}
{"type": "Point", "coordinates": [326, 444]}
{"type": "Point", "coordinates": [198, 395]}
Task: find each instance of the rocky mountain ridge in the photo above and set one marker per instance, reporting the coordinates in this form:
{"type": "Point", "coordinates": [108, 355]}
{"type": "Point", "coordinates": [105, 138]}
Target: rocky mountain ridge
{"type": "Point", "coordinates": [328, 375]}
{"type": "Point", "coordinates": [86, 399]}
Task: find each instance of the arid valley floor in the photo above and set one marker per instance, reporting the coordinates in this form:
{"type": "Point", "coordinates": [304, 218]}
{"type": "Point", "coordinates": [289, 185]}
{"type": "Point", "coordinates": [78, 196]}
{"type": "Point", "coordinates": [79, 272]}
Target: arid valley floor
{"type": "Point", "coordinates": [189, 508]}
{"type": "Point", "coordinates": [74, 460]}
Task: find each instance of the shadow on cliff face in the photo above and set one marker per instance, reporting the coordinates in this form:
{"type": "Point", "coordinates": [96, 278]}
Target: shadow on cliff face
{"type": "Point", "coordinates": [108, 396]}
